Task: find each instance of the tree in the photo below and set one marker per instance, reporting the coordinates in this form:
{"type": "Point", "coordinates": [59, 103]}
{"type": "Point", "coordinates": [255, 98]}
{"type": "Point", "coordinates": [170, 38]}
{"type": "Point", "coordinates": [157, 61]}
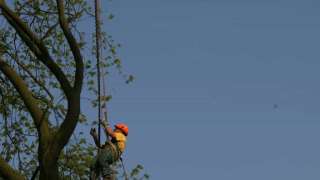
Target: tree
{"type": "Point", "coordinates": [42, 74]}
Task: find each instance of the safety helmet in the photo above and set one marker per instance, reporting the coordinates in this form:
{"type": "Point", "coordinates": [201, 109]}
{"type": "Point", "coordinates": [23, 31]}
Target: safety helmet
{"type": "Point", "coordinates": [123, 128]}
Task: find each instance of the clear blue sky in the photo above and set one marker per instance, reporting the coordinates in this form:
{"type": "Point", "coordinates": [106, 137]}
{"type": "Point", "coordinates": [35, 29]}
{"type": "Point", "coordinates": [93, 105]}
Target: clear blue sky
{"type": "Point", "coordinates": [225, 89]}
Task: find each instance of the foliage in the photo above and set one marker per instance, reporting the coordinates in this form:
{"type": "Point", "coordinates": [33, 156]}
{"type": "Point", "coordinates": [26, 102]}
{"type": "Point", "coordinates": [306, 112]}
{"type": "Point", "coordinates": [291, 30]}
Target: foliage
{"type": "Point", "coordinates": [19, 139]}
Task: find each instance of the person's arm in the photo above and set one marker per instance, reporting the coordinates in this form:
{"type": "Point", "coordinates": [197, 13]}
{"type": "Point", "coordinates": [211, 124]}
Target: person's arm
{"type": "Point", "coordinates": [108, 130]}
{"type": "Point", "coordinates": [94, 135]}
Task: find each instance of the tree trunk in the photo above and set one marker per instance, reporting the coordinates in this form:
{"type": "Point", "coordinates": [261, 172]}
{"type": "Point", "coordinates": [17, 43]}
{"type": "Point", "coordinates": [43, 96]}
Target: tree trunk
{"type": "Point", "coordinates": [48, 162]}
{"type": "Point", "coordinates": [49, 171]}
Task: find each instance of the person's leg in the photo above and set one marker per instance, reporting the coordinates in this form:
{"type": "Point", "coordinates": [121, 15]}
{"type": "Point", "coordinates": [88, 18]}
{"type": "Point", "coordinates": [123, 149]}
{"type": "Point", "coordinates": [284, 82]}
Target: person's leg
{"type": "Point", "coordinates": [107, 172]}
{"type": "Point", "coordinates": [103, 160]}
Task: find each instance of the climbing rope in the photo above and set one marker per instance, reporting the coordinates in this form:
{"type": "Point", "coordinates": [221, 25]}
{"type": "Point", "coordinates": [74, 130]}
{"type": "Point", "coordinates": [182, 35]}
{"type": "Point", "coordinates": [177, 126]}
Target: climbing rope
{"type": "Point", "coordinates": [104, 105]}
{"type": "Point", "coordinates": [124, 169]}
{"type": "Point", "coordinates": [98, 32]}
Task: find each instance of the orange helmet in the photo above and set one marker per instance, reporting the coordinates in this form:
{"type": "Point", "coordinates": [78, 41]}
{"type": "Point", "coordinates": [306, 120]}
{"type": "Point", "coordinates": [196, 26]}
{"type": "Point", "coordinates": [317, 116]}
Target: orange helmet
{"type": "Point", "coordinates": [123, 128]}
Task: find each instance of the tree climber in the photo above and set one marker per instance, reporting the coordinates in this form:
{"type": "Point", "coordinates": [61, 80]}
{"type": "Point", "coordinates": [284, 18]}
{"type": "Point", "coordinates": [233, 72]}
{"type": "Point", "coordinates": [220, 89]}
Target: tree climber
{"type": "Point", "coordinates": [110, 152]}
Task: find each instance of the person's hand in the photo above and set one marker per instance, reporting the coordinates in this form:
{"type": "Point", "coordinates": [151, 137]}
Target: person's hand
{"type": "Point", "coordinates": [93, 132]}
